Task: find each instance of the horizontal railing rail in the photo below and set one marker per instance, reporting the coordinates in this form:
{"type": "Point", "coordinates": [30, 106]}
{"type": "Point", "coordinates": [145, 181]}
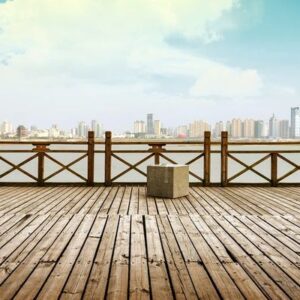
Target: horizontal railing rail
{"type": "Point", "coordinates": [156, 152]}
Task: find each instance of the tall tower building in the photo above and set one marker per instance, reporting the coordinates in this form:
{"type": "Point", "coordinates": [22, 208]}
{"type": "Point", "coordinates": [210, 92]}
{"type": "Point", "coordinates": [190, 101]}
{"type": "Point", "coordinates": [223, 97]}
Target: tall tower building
{"type": "Point", "coordinates": [139, 127]}
{"type": "Point", "coordinates": [259, 129]}
{"type": "Point", "coordinates": [284, 129]}
{"type": "Point", "coordinates": [219, 127]}
{"type": "Point", "coordinates": [295, 122]}
{"type": "Point", "coordinates": [236, 128]}
{"type": "Point", "coordinates": [157, 127]}
{"type": "Point", "coordinates": [273, 127]}
{"type": "Point", "coordinates": [150, 124]}
{"type": "Point", "coordinates": [248, 128]}
{"type": "Point", "coordinates": [82, 130]}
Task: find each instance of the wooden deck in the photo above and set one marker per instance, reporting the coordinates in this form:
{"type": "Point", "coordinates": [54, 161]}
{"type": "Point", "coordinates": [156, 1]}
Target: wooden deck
{"type": "Point", "coordinates": [73, 242]}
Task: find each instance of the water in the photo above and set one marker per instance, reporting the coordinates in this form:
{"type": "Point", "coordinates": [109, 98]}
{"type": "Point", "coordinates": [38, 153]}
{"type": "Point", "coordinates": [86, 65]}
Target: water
{"type": "Point", "coordinates": [133, 176]}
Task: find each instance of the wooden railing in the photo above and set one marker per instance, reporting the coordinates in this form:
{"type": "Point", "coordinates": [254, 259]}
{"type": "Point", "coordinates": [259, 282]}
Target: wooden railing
{"type": "Point", "coordinates": [156, 152]}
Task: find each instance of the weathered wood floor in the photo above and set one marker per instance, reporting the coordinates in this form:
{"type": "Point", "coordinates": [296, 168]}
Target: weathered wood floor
{"type": "Point", "coordinates": [79, 242]}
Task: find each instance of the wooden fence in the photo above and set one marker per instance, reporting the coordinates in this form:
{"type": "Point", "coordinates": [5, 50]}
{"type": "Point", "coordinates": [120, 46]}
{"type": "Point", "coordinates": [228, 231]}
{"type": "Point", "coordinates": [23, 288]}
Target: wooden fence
{"type": "Point", "coordinates": [157, 150]}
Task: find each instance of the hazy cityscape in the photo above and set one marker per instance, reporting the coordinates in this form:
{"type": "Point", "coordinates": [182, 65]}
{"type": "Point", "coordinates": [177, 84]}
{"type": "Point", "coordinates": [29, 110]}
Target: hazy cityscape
{"type": "Point", "coordinates": [237, 128]}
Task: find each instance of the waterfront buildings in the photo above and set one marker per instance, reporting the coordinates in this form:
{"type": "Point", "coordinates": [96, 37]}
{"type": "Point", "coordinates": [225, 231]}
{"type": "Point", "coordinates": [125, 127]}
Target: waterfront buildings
{"type": "Point", "coordinates": [295, 122]}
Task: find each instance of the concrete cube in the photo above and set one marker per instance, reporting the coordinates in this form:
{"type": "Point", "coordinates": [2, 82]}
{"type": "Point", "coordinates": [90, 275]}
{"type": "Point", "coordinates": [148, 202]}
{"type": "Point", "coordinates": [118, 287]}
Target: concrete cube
{"type": "Point", "coordinates": [167, 181]}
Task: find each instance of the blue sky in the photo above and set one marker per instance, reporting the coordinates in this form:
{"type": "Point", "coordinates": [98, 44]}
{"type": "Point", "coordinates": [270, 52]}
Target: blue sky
{"type": "Point", "coordinates": [65, 61]}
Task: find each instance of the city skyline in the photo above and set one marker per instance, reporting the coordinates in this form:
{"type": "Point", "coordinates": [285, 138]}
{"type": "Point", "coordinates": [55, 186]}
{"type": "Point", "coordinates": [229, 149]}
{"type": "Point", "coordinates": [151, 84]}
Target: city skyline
{"type": "Point", "coordinates": [151, 127]}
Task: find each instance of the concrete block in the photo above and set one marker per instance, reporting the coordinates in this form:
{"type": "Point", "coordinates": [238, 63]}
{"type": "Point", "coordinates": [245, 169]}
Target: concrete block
{"type": "Point", "coordinates": [167, 180]}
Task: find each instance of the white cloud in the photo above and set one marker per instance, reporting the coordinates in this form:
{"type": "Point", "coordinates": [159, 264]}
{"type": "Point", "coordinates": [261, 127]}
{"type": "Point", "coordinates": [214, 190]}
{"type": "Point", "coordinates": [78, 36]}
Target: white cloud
{"type": "Point", "coordinates": [222, 81]}
{"type": "Point", "coordinates": [62, 34]}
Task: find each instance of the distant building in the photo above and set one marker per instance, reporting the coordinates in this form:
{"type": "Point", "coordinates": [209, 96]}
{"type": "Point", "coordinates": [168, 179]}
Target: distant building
{"type": "Point", "coordinates": [295, 122]}
{"type": "Point", "coordinates": [219, 127]}
{"type": "Point", "coordinates": [97, 128]}
{"type": "Point", "coordinates": [139, 127]}
{"type": "Point", "coordinates": [21, 131]}
{"type": "Point", "coordinates": [157, 127]}
{"type": "Point", "coordinates": [150, 124]}
{"type": "Point", "coordinates": [181, 131]}
{"type": "Point", "coordinates": [197, 128]}
{"type": "Point", "coordinates": [273, 127]}
{"type": "Point", "coordinates": [228, 127]}
{"type": "Point", "coordinates": [248, 128]}
{"type": "Point", "coordinates": [284, 129]}
{"type": "Point", "coordinates": [6, 128]}
{"type": "Point", "coordinates": [259, 129]}
{"type": "Point", "coordinates": [82, 129]}
{"type": "Point", "coordinates": [236, 128]}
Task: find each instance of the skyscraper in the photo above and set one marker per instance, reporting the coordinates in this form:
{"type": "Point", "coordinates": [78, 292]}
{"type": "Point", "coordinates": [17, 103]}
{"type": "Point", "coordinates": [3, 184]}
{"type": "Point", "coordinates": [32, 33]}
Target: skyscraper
{"type": "Point", "coordinates": [139, 127]}
{"type": "Point", "coordinates": [82, 129]}
{"type": "Point", "coordinates": [157, 127]}
{"type": "Point", "coordinates": [150, 124]}
{"type": "Point", "coordinates": [197, 128]}
{"type": "Point", "coordinates": [248, 128]}
{"type": "Point", "coordinates": [258, 129]}
{"type": "Point", "coordinates": [236, 128]}
{"type": "Point", "coordinates": [273, 127]}
{"type": "Point", "coordinates": [295, 122]}
{"type": "Point", "coordinates": [284, 129]}
{"type": "Point", "coordinates": [97, 128]}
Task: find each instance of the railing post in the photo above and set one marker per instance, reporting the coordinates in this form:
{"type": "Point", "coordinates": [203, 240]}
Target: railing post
{"type": "Point", "coordinates": [157, 149]}
{"type": "Point", "coordinates": [224, 158]}
{"type": "Point", "coordinates": [41, 162]}
{"type": "Point", "coordinates": [108, 158]}
{"type": "Point", "coordinates": [274, 161]}
{"type": "Point", "coordinates": [91, 158]}
{"type": "Point", "coordinates": [207, 145]}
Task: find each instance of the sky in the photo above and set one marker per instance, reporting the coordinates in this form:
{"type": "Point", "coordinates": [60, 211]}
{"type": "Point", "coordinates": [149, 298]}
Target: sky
{"type": "Point", "coordinates": [63, 61]}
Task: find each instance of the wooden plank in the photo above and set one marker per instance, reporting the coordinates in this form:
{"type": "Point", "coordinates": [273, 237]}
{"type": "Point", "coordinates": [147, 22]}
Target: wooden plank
{"type": "Point", "coordinates": [134, 201]}
{"type": "Point", "coordinates": [226, 287]}
{"type": "Point", "coordinates": [15, 281]}
{"type": "Point", "coordinates": [98, 280]}
{"type": "Point", "coordinates": [248, 288]}
{"type": "Point", "coordinates": [143, 207]}
{"type": "Point", "coordinates": [119, 274]}
{"type": "Point", "coordinates": [181, 281]}
{"type": "Point", "coordinates": [139, 280]}
{"type": "Point", "coordinates": [78, 278]}
{"type": "Point", "coordinates": [58, 277]}
{"type": "Point", "coordinates": [269, 246]}
{"type": "Point", "coordinates": [240, 254]}
{"type": "Point", "coordinates": [203, 285]}
{"type": "Point", "coordinates": [278, 275]}
{"type": "Point", "coordinates": [47, 263]}
{"type": "Point", "coordinates": [160, 282]}
{"type": "Point", "coordinates": [125, 201]}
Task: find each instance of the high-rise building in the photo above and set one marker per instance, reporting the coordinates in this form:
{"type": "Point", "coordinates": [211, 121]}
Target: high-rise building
{"type": "Point", "coordinates": [259, 129]}
{"type": "Point", "coordinates": [295, 122]}
{"type": "Point", "coordinates": [82, 129]}
{"type": "Point", "coordinates": [284, 129]}
{"type": "Point", "coordinates": [54, 131]}
{"type": "Point", "coordinates": [21, 131]}
{"type": "Point", "coordinates": [248, 128]}
{"type": "Point", "coordinates": [228, 127]}
{"type": "Point", "coordinates": [139, 127]}
{"type": "Point", "coordinates": [219, 127]}
{"type": "Point", "coordinates": [6, 128]}
{"type": "Point", "coordinates": [157, 127]}
{"type": "Point", "coordinates": [97, 128]}
{"type": "Point", "coordinates": [273, 127]}
{"type": "Point", "coordinates": [236, 128]}
{"type": "Point", "coordinates": [150, 124]}
{"type": "Point", "coordinates": [197, 128]}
